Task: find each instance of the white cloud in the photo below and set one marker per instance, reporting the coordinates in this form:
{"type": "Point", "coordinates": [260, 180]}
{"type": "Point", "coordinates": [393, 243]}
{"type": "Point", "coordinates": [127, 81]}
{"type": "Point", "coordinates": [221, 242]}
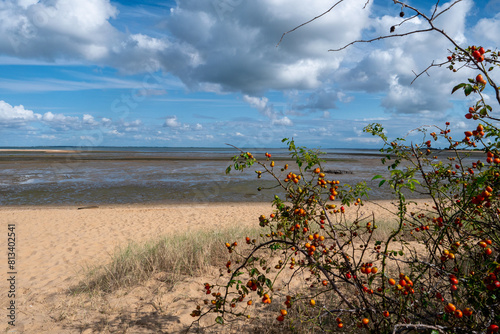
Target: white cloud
{"type": "Point", "coordinates": [171, 122]}
{"type": "Point", "coordinates": [488, 28]}
{"type": "Point", "coordinates": [285, 121]}
{"type": "Point", "coordinates": [89, 119]}
{"type": "Point", "coordinates": [116, 133]}
{"type": "Point", "coordinates": [57, 29]}
{"type": "Point", "coordinates": [267, 109]}
{"type": "Point", "coordinates": [61, 121]}
{"type": "Point", "coordinates": [146, 42]}
{"type": "Point", "coordinates": [49, 137]}
{"type": "Point", "coordinates": [16, 116]}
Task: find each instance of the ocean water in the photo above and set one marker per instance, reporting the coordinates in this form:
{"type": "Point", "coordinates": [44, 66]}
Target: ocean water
{"type": "Point", "coordinates": [147, 175]}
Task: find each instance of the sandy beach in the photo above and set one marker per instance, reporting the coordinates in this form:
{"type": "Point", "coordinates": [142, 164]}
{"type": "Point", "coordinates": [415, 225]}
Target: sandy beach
{"type": "Point", "coordinates": [55, 244]}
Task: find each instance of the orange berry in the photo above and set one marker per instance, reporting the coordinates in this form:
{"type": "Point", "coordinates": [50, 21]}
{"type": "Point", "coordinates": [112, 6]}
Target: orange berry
{"type": "Point", "coordinates": [450, 308]}
{"type": "Point", "coordinates": [365, 321]}
{"type": "Point", "coordinates": [312, 302]}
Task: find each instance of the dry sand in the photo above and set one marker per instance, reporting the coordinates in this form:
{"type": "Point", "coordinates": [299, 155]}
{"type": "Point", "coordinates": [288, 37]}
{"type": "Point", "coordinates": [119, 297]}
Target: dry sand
{"type": "Point", "coordinates": [54, 244]}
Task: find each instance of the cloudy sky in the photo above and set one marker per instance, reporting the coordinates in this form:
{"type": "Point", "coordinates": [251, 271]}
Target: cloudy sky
{"type": "Point", "coordinates": [205, 73]}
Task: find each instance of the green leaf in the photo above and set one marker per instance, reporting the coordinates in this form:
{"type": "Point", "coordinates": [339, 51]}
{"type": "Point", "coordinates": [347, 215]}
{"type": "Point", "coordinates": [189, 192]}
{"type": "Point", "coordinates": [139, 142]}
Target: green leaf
{"type": "Point", "coordinates": [457, 87]}
{"type": "Point", "coordinates": [467, 90]}
{"type": "Point", "coordinates": [377, 177]}
{"type": "Point", "coordinates": [381, 183]}
{"type": "Point", "coordinates": [228, 170]}
{"type": "Point", "coordinates": [269, 283]}
{"type": "Point", "coordinates": [219, 320]}
{"type": "Point", "coordinates": [275, 246]}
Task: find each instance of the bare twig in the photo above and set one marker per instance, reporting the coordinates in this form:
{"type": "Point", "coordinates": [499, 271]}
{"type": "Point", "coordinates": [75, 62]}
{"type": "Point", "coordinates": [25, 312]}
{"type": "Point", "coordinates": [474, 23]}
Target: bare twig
{"type": "Point", "coordinates": [314, 19]}
{"type": "Point", "coordinates": [380, 38]}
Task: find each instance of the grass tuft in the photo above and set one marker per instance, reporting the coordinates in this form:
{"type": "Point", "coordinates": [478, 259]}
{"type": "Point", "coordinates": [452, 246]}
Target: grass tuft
{"type": "Point", "coordinates": [175, 256]}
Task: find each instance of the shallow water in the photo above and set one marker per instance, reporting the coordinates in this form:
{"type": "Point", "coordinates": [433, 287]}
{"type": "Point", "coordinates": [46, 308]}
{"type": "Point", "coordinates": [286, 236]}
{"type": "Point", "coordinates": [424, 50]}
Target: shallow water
{"type": "Point", "coordinates": [154, 175]}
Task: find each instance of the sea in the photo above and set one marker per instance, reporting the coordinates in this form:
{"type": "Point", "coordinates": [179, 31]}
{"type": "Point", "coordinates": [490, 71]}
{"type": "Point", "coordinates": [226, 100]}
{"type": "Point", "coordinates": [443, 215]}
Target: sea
{"type": "Point", "coordinates": [164, 175]}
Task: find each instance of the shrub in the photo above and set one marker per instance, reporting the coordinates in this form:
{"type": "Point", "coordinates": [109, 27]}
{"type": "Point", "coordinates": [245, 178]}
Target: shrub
{"type": "Point", "coordinates": [437, 271]}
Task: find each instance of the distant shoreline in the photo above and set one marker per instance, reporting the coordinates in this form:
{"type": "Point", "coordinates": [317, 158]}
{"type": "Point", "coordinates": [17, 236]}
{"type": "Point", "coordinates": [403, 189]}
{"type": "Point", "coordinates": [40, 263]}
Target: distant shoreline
{"type": "Point", "coordinates": [37, 150]}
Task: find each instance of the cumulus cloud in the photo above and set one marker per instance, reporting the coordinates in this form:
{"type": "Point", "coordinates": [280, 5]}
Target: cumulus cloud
{"type": "Point", "coordinates": [238, 53]}
{"type": "Point", "coordinates": [57, 29]}
{"type": "Point", "coordinates": [391, 66]}
{"type": "Point", "coordinates": [267, 109]}
{"type": "Point", "coordinates": [89, 119]}
{"type": "Point", "coordinates": [205, 50]}
{"type": "Point", "coordinates": [322, 99]}
{"type": "Point", "coordinates": [16, 116]}
{"type": "Point", "coordinates": [59, 125]}
{"type": "Point", "coordinates": [172, 122]}
{"type": "Point", "coordinates": [488, 29]}
{"type": "Point", "coordinates": [61, 121]}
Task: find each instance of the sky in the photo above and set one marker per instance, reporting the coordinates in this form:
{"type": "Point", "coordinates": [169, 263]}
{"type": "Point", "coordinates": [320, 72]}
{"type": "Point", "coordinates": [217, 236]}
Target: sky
{"type": "Point", "coordinates": [193, 73]}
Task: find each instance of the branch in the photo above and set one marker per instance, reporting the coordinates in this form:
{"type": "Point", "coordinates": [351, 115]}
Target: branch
{"type": "Point", "coordinates": [314, 19]}
{"type": "Point", "coordinates": [440, 329]}
{"type": "Point", "coordinates": [380, 38]}
{"type": "Point", "coordinates": [425, 71]}
{"type": "Point", "coordinates": [444, 10]}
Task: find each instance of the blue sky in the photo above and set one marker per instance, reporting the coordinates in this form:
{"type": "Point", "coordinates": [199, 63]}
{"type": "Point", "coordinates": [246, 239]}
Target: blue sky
{"type": "Point", "coordinates": [206, 73]}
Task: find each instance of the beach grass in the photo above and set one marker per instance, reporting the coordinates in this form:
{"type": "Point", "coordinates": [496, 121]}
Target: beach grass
{"type": "Point", "coordinates": [174, 256]}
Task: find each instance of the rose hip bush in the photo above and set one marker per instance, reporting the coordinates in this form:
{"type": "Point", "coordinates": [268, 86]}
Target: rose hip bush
{"type": "Point", "coordinates": [319, 263]}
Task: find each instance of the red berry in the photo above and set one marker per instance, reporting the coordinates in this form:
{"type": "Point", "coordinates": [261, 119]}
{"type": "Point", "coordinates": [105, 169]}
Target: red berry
{"type": "Point", "coordinates": [493, 328]}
